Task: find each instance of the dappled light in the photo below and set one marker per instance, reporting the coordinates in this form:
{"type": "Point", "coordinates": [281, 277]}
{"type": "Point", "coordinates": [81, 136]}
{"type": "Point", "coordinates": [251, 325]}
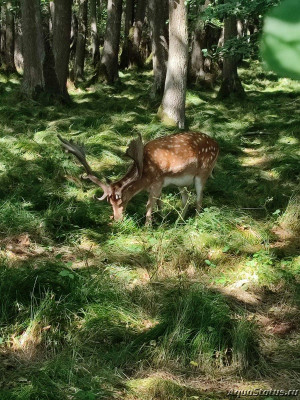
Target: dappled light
{"type": "Point", "coordinates": [161, 312]}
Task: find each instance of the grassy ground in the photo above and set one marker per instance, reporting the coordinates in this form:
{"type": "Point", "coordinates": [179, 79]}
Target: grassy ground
{"type": "Point", "coordinates": [187, 309]}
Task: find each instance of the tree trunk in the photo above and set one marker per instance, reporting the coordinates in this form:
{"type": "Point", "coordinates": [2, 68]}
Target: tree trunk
{"type": "Point", "coordinates": [33, 46]}
{"type": "Point", "coordinates": [19, 62]}
{"type": "Point", "coordinates": [108, 68]}
{"type": "Point", "coordinates": [157, 20]}
{"type": "Point", "coordinates": [231, 83]}
{"type": "Point", "coordinates": [81, 41]}
{"type": "Point", "coordinates": [94, 33]}
{"type": "Point", "coordinates": [61, 43]}
{"type": "Point", "coordinates": [50, 77]}
{"type": "Point", "coordinates": [136, 59]}
{"type": "Point", "coordinates": [127, 45]}
{"type": "Point", "coordinates": [2, 35]}
{"type": "Point", "coordinates": [196, 67]}
{"type": "Point", "coordinates": [172, 109]}
{"type": "Point", "coordinates": [9, 38]}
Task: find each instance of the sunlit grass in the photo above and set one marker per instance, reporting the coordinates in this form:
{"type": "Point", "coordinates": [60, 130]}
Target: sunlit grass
{"type": "Point", "coordinates": [90, 309]}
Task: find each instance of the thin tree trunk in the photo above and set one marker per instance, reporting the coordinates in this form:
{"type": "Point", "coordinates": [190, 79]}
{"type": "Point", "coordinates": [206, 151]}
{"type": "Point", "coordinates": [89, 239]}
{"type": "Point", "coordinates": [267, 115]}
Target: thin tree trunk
{"type": "Point", "coordinates": [94, 33]}
{"type": "Point", "coordinates": [108, 67]}
{"type": "Point", "coordinates": [61, 43]}
{"type": "Point", "coordinates": [172, 109]}
{"type": "Point", "coordinates": [81, 41]}
{"type": "Point", "coordinates": [136, 59]}
{"type": "Point", "coordinates": [157, 19]}
{"type": "Point", "coordinates": [127, 44]}
{"type": "Point", "coordinates": [2, 35]}
{"type": "Point", "coordinates": [10, 38]}
{"type": "Point", "coordinates": [196, 67]}
{"type": "Point", "coordinates": [50, 77]}
{"type": "Point", "coordinates": [33, 45]}
{"type": "Point", "coordinates": [231, 83]}
{"type": "Point", "coordinates": [19, 62]}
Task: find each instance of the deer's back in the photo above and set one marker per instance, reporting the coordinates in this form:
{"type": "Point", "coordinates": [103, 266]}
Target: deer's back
{"type": "Point", "coordinates": [181, 153]}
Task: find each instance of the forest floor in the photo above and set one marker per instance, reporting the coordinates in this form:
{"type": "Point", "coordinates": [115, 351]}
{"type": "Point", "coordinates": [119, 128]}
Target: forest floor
{"type": "Point", "coordinates": [186, 309]}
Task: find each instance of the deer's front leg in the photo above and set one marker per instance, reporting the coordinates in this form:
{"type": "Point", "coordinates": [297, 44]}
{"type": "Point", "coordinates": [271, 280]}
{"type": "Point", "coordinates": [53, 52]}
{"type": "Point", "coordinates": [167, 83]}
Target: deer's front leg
{"type": "Point", "coordinates": [154, 194]}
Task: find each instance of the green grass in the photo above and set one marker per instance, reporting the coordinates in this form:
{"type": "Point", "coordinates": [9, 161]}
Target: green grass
{"type": "Point", "coordinates": [187, 309]}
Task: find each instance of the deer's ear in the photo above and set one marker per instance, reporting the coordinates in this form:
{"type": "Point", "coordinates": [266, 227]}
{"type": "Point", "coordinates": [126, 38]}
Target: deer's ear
{"type": "Point", "coordinates": [135, 151]}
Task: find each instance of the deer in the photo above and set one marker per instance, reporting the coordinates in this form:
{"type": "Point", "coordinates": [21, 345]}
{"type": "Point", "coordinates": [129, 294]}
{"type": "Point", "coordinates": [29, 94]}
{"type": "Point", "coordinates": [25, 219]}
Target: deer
{"type": "Point", "coordinates": [181, 159]}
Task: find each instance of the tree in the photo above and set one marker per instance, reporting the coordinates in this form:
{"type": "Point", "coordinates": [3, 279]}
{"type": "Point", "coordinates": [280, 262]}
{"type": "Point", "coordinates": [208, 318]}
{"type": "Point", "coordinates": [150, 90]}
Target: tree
{"type": "Point", "coordinates": [33, 48]}
{"type": "Point", "coordinates": [136, 59]}
{"type": "Point", "coordinates": [172, 109]}
{"type": "Point", "coordinates": [127, 44]}
{"type": "Point", "coordinates": [157, 18]}
{"type": "Point", "coordinates": [81, 41]}
{"type": "Point", "coordinates": [231, 83]}
{"type": "Point", "coordinates": [108, 66]}
{"type": "Point", "coordinates": [94, 33]}
{"type": "Point", "coordinates": [61, 43]}
{"type": "Point", "coordinates": [9, 38]}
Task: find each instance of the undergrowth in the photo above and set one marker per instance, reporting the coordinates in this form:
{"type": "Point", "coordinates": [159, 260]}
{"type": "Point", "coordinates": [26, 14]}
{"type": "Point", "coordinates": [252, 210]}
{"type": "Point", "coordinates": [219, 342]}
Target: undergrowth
{"type": "Point", "coordinates": [186, 309]}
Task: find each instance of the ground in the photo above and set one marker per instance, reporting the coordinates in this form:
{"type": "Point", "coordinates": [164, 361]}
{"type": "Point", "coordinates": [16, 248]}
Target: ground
{"type": "Point", "coordinates": [185, 309]}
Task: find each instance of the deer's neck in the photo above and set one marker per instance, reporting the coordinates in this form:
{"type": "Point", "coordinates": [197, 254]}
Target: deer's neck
{"type": "Point", "coordinates": [129, 185]}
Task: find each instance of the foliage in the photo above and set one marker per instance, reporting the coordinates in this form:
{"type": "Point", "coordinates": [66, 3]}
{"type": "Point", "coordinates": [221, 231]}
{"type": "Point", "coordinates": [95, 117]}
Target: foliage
{"type": "Point", "coordinates": [93, 310]}
{"type": "Point", "coordinates": [280, 40]}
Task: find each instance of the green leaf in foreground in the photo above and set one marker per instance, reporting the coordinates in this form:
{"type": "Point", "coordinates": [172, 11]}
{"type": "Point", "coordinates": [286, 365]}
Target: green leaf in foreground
{"type": "Point", "coordinates": [280, 45]}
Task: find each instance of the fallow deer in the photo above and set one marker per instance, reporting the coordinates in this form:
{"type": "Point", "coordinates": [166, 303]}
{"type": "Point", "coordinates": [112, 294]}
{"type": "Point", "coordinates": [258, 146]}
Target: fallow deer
{"type": "Point", "coordinates": [181, 159]}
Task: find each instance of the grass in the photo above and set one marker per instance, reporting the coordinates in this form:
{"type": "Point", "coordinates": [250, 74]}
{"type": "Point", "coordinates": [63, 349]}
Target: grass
{"type": "Point", "coordinates": [187, 309]}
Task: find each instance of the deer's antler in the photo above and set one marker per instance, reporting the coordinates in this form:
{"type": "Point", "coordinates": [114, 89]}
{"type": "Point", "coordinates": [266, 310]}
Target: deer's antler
{"type": "Point", "coordinates": [135, 151]}
{"type": "Point", "coordinates": [78, 150]}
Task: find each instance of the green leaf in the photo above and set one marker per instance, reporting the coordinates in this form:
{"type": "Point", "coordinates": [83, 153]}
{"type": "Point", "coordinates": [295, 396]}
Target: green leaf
{"type": "Point", "coordinates": [225, 249]}
{"type": "Point", "coordinates": [194, 363]}
{"type": "Point", "coordinates": [280, 46]}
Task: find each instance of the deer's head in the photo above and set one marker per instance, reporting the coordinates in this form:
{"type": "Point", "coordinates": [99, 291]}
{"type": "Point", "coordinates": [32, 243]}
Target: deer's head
{"type": "Point", "coordinates": [118, 193]}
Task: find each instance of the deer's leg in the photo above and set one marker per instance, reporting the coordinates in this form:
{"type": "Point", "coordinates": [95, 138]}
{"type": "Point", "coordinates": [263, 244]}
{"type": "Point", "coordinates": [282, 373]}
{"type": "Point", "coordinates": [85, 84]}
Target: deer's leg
{"type": "Point", "coordinates": [199, 185]}
{"type": "Point", "coordinates": [184, 201]}
{"type": "Point", "coordinates": [159, 204]}
{"type": "Point", "coordinates": [154, 195]}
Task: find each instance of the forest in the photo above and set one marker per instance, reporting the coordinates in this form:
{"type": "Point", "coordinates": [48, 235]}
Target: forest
{"type": "Point", "coordinates": [183, 301]}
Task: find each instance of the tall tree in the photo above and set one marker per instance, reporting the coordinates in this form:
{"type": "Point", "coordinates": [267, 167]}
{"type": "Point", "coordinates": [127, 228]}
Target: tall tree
{"type": "Point", "coordinates": [127, 43]}
{"type": "Point", "coordinates": [94, 33]}
{"type": "Point", "coordinates": [9, 37]}
{"type": "Point", "coordinates": [136, 59]}
{"type": "Point", "coordinates": [172, 109]}
{"type": "Point", "coordinates": [61, 43]}
{"type": "Point", "coordinates": [196, 67]}
{"type": "Point", "coordinates": [81, 41]}
{"type": "Point", "coordinates": [157, 18]}
{"type": "Point", "coordinates": [108, 66]}
{"type": "Point", "coordinates": [231, 83]}
{"type": "Point", "coordinates": [33, 48]}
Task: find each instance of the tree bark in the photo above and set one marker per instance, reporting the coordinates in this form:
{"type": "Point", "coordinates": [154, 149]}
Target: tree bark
{"type": "Point", "coordinates": [9, 38]}
{"type": "Point", "coordinates": [2, 35]}
{"type": "Point", "coordinates": [127, 44]}
{"type": "Point", "coordinates": [136, 59]}
{"type": "Point", "coordinates": [157, 20]}
{"type": "Point", "coordinates": [108, 67]}
{"type": "Point", "coordinates": [81, 41]}
{"type": "Point", "coordinates": [172, 109]}
{"type": "Point", "coordinates": [94, 33]}
{"type": "Point", "coordinates": [231, 83]}
{"type": "Point", "coordinates": [61, 43]}
{"type": "Point", "coordinates": [33, 45]}
{"type": "Point", "coordinates": [50, 76]}
{"type": "Point", "coordinates": [19, 62]}
{"type": "Point", "coordinates": [196, 68]}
